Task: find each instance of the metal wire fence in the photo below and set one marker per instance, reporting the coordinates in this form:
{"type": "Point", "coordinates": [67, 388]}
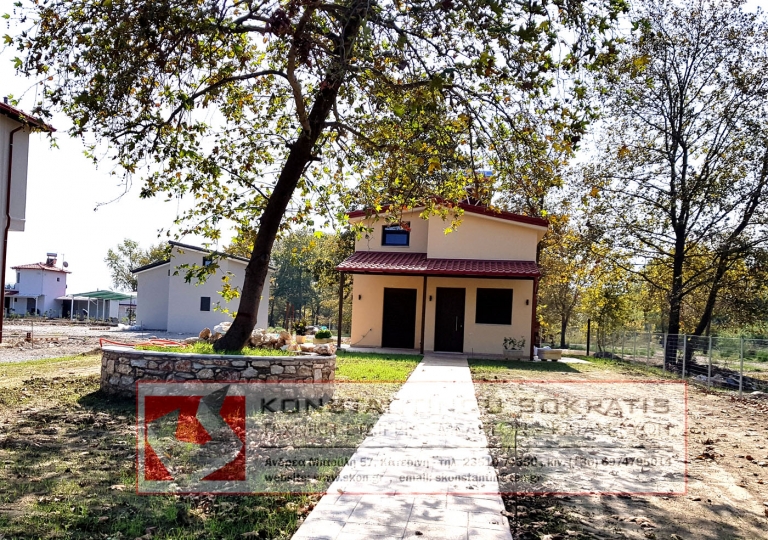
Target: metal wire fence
{"type": "Point", "coordinates": [738, 363]}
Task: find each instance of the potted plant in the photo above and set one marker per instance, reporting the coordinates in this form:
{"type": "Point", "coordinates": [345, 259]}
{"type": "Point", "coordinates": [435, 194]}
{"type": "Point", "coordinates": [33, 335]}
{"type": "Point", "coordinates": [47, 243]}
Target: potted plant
{"type": "Point", "coordinates": [513, 348]}
{"type": "Point", "coordinates": [323, 336]}
{"type": "Point", "coordinates": [300, 327]}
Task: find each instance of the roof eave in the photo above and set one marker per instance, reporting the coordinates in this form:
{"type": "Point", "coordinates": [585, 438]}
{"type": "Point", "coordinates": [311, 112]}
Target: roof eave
{"type": "Point", "coordinates": [23, 118]}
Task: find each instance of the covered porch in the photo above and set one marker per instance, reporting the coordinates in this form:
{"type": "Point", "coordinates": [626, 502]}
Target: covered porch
{"type": "Point", "coordinates": [408, 301]}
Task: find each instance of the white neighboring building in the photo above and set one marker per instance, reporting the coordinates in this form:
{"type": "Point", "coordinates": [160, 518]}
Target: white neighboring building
{"type": "Point", "coordinates": [38, 289]}
{"type": "Point", "coordinates": [15, 127]}
{"type": "Point", "coordinates": [167, 302]}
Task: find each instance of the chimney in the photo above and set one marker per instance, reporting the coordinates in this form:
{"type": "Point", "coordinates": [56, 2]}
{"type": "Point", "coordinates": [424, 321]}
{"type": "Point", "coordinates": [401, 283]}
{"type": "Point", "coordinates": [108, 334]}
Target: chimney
{"type": "Point", "coordinates": [51, 260]}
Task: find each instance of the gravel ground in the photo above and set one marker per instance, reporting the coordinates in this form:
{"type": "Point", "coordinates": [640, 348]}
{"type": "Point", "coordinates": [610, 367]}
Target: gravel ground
{"type": "Point", "coordinates": [74, 339]}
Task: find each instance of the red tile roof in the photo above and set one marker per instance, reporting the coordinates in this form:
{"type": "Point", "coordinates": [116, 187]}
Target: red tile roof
{"type": "Point", "coordinates": [472, 209]}
{"type": "Point", "coordinates": [40, 266]}
{"type": "Point", "coordinates": [379, 262]}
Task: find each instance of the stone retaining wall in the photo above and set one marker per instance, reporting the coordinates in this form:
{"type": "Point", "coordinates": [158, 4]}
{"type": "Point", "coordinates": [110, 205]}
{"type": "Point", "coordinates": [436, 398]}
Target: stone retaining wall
{"type": "Point", "coordinates": [122, 367]}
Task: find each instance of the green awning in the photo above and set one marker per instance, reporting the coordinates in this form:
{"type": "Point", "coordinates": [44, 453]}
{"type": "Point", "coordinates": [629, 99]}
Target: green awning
{"type": "Point", "coordinates": [104, 295]}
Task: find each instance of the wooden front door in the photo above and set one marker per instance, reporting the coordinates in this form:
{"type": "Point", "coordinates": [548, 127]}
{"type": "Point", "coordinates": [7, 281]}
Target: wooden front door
{"type": "Point", "coordinates": [399, 325]}
{"type": "Point", "coordinates": [449, 320]}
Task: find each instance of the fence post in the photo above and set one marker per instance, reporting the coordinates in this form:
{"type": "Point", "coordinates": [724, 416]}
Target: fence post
{"type": "Point", "coordinates": [685, 349]}
{"type": "Point", "coordinates": [648, 352]}
{"type": "Point", "coordinates": [709, 370]}
{"type": "Point", "coordinates": [623, 339]}
{"type": "Point", "coordinates": [634, 348]}
{"type": "Point", "coordinates": [741, 367]}
{"type": "Point", "coordinates": [664, 354]}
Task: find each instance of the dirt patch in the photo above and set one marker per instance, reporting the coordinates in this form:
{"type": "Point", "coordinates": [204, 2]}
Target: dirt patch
{"type": "Point", "coordinates": [727, 485]}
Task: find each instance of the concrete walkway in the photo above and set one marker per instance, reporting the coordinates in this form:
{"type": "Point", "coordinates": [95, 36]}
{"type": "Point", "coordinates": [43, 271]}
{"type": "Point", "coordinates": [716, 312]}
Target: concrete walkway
{"type": "Point", "coordinates": [424, 472]}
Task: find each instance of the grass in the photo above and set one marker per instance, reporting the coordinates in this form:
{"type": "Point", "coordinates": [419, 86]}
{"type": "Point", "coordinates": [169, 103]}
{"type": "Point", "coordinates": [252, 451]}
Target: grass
{"type": "Point", "coordinates": [367, 367]}
{"type": "Point", "coordinates": [67, 459]}
{"type": "Point", "coordinates": [496, 369]}
{"type": "Point", "coordinates": [13, 373]}
{"type": "Point", "coordinates": [207, 348]}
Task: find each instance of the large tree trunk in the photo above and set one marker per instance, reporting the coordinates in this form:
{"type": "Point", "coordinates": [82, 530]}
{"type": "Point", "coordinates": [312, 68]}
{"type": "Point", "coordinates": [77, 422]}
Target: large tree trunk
{"type": "Point", "coordinates": [299, 156]}
{"type": "Point", "coordinates": [563, 328]}
{"type": "Point", "coordinates": [675, 301]}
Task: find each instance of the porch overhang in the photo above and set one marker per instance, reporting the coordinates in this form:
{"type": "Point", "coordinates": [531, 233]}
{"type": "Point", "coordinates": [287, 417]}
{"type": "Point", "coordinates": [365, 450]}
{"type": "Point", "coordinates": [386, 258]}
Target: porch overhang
{"type": "Point", "coordinates": [418, 264]}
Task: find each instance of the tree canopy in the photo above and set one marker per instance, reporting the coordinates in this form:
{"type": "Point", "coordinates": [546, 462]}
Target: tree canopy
{"type": "Point", "coordinates": [239, 104]}
{"type": "Point", "coordinates": [683, 164]}
{"type": "Point", "coordinates": [129, 255]}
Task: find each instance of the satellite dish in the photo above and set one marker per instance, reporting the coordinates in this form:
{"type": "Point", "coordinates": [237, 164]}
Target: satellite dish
{"type": "Point", "coordinates": [66, 264]}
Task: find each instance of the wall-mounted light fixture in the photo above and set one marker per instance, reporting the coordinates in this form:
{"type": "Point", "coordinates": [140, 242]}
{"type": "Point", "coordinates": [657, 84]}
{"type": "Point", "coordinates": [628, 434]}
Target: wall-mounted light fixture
{"type": "Point", "coordinates": [430, 297]}
{"type": "Point", "coordinates": [359, 296]}
{"type": "Point", "coordinates": [527, 302]}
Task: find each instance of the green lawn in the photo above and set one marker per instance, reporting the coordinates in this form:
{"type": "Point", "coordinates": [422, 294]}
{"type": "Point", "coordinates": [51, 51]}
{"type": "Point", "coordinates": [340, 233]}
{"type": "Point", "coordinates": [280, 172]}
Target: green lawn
{"type": "Point", "coordinates": [499, 369]}
{"type": "Point", "coordinates": [67, 460]}
{"type": "Point", "coordinates": [366, 367]}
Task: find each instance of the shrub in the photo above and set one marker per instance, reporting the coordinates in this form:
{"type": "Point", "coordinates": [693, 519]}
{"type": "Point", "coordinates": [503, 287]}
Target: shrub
{"type": "Point", "coordinates": [323, 334]}
{"type": "Point", "coordinates": [300, 327]}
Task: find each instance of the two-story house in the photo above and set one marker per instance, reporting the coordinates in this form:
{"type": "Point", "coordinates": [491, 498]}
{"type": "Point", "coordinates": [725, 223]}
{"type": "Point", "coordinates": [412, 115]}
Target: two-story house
{"type": "Point", "coordinates": [38, 289]}
{"type": "Point", "coordinates": [167, 301]}
{"type": "Point", "coordinates": [415, 286]}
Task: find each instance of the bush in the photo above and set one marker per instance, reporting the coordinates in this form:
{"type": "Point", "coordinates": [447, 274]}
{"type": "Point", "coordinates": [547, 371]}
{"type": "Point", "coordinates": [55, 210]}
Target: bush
{"type": "Point", "coordinates": [323, 334]}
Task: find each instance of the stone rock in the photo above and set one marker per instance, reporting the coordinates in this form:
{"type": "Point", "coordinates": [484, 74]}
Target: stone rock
{"type": "Point", "coordinates": [307, 347]}
{"type": "Point", "coordinates": [260, 363]}
{"type": "Point", "coordinates": [139, 362]}
{"type": "Point", "coordinates": [183, 365]}
{"type": "Point", "coordinates": [124, 369]}
{"type": "Point", "coordinates": [215, 336]}
{"type": "Point", "coordinates": [318, 374]}
{"type": "Point", "coordinates": [285, 335]}
{"type": "Point", "coordinates": [205, 374]}
{"type": "Point", "coordinates": [193, 340]}
{"type": "Point", "coordinates": [249, 373]}
{"type": "Point", "coordinates": [290, 369]}
{"type": "Point", "coordinates": [276, 369]}
{"type": "Point", "coordinates": [238, 363]}
{"type": "Point", "coordinates": [222, 328]}
{"type": "Point", "coordinates": [326, 349]}
{"type": "Point", "coordinates": [304, 371]}
{"type": "Point", "coordinates": [205, 333]}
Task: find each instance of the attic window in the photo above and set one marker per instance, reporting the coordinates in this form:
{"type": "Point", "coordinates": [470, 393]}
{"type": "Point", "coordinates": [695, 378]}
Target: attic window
{"type": "Point", "coordinates": [205, 303]}
{"type": "Point", "coordinates": [58, 279]}
{"type": "Point", "coordinates": [206, 261]}
{"type": "Point", "coordinates": [18, 277]}
{"type": "Point", "coordinates": [396, 235]}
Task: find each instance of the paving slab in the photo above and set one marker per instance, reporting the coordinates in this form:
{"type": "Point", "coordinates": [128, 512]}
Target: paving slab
{"type": "Point", "coordinates": [427, 471]}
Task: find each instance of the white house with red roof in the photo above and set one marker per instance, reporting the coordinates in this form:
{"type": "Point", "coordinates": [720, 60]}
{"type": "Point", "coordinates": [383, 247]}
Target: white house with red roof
{"type": "Point", "coordinates": [38, 289]}
{"type": "Point", "coordinates": [416, 287]}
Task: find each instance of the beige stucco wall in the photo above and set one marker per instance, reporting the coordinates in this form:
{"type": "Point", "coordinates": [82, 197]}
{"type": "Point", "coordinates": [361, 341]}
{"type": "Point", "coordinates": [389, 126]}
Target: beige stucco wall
{"type": "Point", "coordinates": [418, 239]}
{"type": "Point", "coordinates": [483, 338]}
{"type": "Point", "coordinates": [481, 237]}
{"type": "Point", "coordinates": [367, 312]}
